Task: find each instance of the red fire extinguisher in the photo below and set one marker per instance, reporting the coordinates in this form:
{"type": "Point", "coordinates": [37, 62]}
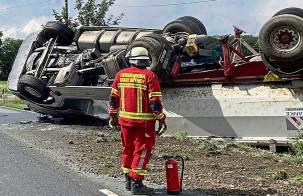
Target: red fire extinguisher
{"type": "Point", "coordinates": [174, 183]}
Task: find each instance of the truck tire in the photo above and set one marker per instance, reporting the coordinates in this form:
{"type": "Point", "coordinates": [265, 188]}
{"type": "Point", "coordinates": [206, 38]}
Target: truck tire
{"type": "Point", "coordinates": [183, 26]}
{"type": "Point", "coordinates": [32, 88]}
{"type": "Point", "coordinates": [54, 29]}
{"type": "Point", "coordinates": [291, 10]}
{"type": "Point", "coordinates": [164, 65]}
{"type": "Point", "coordinates": [159, 64]}
{"type": "Point", "coordinates": [161, 40]}
{"type": "Point", "coordinates": [283, 68]}
{"type": "Point", "coordinates": [196, 21]}
{"type": "Point", "coordinates": [281, 38]}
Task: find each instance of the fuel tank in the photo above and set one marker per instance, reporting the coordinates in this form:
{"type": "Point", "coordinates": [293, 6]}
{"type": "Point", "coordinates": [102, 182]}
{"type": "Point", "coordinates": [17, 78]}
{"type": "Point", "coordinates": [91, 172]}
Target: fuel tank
{"type": "Point", "coordinates": [104, 38]}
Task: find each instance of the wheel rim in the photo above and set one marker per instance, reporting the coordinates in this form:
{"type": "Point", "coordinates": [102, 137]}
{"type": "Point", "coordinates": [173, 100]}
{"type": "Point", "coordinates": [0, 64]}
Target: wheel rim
{"type": "Point", "coordinates": [32, 92]}
{"type": "Point", "coordinates": [285, 39]}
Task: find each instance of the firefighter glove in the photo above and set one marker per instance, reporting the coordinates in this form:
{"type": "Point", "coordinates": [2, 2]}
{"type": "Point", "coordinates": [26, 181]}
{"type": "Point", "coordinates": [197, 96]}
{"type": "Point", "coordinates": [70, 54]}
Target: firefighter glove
{"type": "Point", "coordinates": [113, 122]}
{"type": "Point", "coordinates": [162, 128]}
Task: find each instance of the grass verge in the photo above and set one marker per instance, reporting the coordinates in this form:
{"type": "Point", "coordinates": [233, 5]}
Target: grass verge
{"type": "Point", "coordinates": [14, 103]}
{"type": "Point", "coordinates": [3, 87]}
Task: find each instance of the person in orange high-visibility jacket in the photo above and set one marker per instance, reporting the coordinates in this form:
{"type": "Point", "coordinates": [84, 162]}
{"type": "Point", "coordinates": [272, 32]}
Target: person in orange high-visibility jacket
{"type": "Point", "coordinates": [135, 103]}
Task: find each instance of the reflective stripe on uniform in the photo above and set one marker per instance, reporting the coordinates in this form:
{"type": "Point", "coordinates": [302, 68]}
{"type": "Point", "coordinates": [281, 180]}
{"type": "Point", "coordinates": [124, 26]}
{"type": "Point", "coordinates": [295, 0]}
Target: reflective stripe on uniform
{"type": "Point", "coordinates": [141, 172]}
{"type": "Point", "coordinates": [139, 100]}
{"type": "Point", "coordinates": [142, 158]}
{"type": "Point", "coordinates": [155, 94]}
{"type": "Point", "coordinates": [125, 170]}
{"type": "Point", "coordinates": [122, 100]}
{"type": "Point", "coordinates": [115, 92]}
{"type": "Point", "coordinates": [132, 85]}
{"type": "Point", "coordinates": [137, 116]}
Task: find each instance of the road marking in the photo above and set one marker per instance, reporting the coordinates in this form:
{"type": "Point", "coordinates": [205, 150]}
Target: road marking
{"type": "Point", "coordinates": [108, 192]}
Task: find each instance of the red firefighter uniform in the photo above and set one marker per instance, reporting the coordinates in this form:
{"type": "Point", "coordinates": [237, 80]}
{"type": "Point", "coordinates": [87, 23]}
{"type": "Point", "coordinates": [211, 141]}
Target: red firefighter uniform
{"type": "Point", "coordinates": [135, 98]}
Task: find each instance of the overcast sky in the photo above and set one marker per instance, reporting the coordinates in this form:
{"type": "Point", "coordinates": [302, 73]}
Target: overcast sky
{"type": "Point", "coordinates": [18, 18]}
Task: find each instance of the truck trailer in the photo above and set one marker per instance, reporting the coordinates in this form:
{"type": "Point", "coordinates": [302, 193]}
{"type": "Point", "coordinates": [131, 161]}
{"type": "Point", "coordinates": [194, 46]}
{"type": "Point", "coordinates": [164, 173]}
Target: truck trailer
{"type": "Point", "coordinates": [206, 92]}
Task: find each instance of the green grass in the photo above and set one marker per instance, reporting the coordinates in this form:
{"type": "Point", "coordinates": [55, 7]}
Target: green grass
{"type": "Point", "coordinates": [299, 136]}
{"type": "Point", "coordinates": [209, 146]}
{"type": "Point", "coordinates": [11, 103]}
{"type": "Point", "coordinates": [107, 164]}
{"type": "Point", "coordinates": [3, 82]}
{"type": "Point", "coordinates": [298, 180]}
{"type": "Point", "coordinates": [180, 136]}
{"type": "Point", "coordinates": [3, 87]}
{"type": "Point", "coordinates": [14, 103]}
{"type": "Point", "coordinates": [298, 148]}
{"type": "Point", "coordinates": [115, 137]}
{"type": "Point", "coordinates": [276, 175]}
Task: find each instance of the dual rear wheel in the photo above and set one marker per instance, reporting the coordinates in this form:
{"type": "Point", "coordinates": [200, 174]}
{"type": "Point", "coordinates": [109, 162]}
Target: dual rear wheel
{"type": "Point", "coordinates": [281, 42]}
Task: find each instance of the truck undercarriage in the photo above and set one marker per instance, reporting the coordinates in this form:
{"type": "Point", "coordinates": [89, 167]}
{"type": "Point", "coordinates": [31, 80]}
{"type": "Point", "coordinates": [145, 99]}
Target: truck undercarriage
{"type": "Point", "coordinates": [227, 94]}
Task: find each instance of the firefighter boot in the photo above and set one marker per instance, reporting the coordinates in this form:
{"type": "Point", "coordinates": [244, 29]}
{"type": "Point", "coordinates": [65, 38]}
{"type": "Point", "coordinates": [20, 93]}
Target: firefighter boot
{"type": "Point", "coordinates": [138, 188]}
{"type": "Point", "coordinates": [128, 183]}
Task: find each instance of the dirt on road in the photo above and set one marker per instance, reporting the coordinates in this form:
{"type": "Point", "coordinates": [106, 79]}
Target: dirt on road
{"type": "Point", "coordinates": [212, 167]}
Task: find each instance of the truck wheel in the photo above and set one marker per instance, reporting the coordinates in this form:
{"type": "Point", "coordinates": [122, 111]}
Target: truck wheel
{"type": "Point", "coordinates": [283, 68]}
{"type": "Point", "coordinates": [196, 21]}
{"type": "Point", "coordinates": [32, 88]}
{"type": "Point", "coordinates": [54, 29]}
{"type": "Point", "coordinates": [187, 26]}
{"type": "Point", "coordinates": [291, 10]}
{"type": "Point", "coordinates": [281, 38]}
{"type": "Point", "coordinates": [161, 40]}
{"type": "Point", "coordinates": [160, 52]}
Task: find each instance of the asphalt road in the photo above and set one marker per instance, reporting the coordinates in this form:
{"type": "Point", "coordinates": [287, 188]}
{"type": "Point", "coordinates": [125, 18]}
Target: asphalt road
{"type": "Point", "coordinates": [12, 116]}
{"type": "Point", "coordinates": [25, 171]}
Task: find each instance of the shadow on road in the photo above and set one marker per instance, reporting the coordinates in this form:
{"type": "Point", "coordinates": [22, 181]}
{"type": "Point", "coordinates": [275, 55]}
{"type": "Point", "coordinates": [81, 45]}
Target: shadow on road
{"type": "Point", "coordinates": [74, 120]}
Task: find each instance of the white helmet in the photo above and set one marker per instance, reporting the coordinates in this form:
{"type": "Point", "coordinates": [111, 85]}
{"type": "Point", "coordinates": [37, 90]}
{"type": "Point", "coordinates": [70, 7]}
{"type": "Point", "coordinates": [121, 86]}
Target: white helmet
{"type": "Point", "coordinates": [138, 53]}
{"type": "Point", "coordinates": [139, 57]}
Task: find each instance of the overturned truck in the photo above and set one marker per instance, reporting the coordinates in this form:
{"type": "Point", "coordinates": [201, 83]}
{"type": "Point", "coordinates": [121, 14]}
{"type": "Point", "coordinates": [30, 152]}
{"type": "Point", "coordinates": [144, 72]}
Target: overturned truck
{"type": "Point", "coordinates": [205, 92]}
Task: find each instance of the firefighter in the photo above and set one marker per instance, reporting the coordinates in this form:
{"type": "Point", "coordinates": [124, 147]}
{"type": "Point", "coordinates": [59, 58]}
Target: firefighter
{"type": "Point", "coordinates": [135, 104]}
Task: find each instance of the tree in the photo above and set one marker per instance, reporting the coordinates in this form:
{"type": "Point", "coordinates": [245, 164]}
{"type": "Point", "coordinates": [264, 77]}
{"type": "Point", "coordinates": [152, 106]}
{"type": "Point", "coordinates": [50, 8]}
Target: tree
{"type": "Point", "coordinates": [214, 44]}
{"type": "Point", "coordinates": [1, 34]}
{"type": "Point", "coordinates": [89, 13]}
{"type": "Point", "coordinates": [8, 52]}
{"type": "Point", "coordinates": [253, 41]}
